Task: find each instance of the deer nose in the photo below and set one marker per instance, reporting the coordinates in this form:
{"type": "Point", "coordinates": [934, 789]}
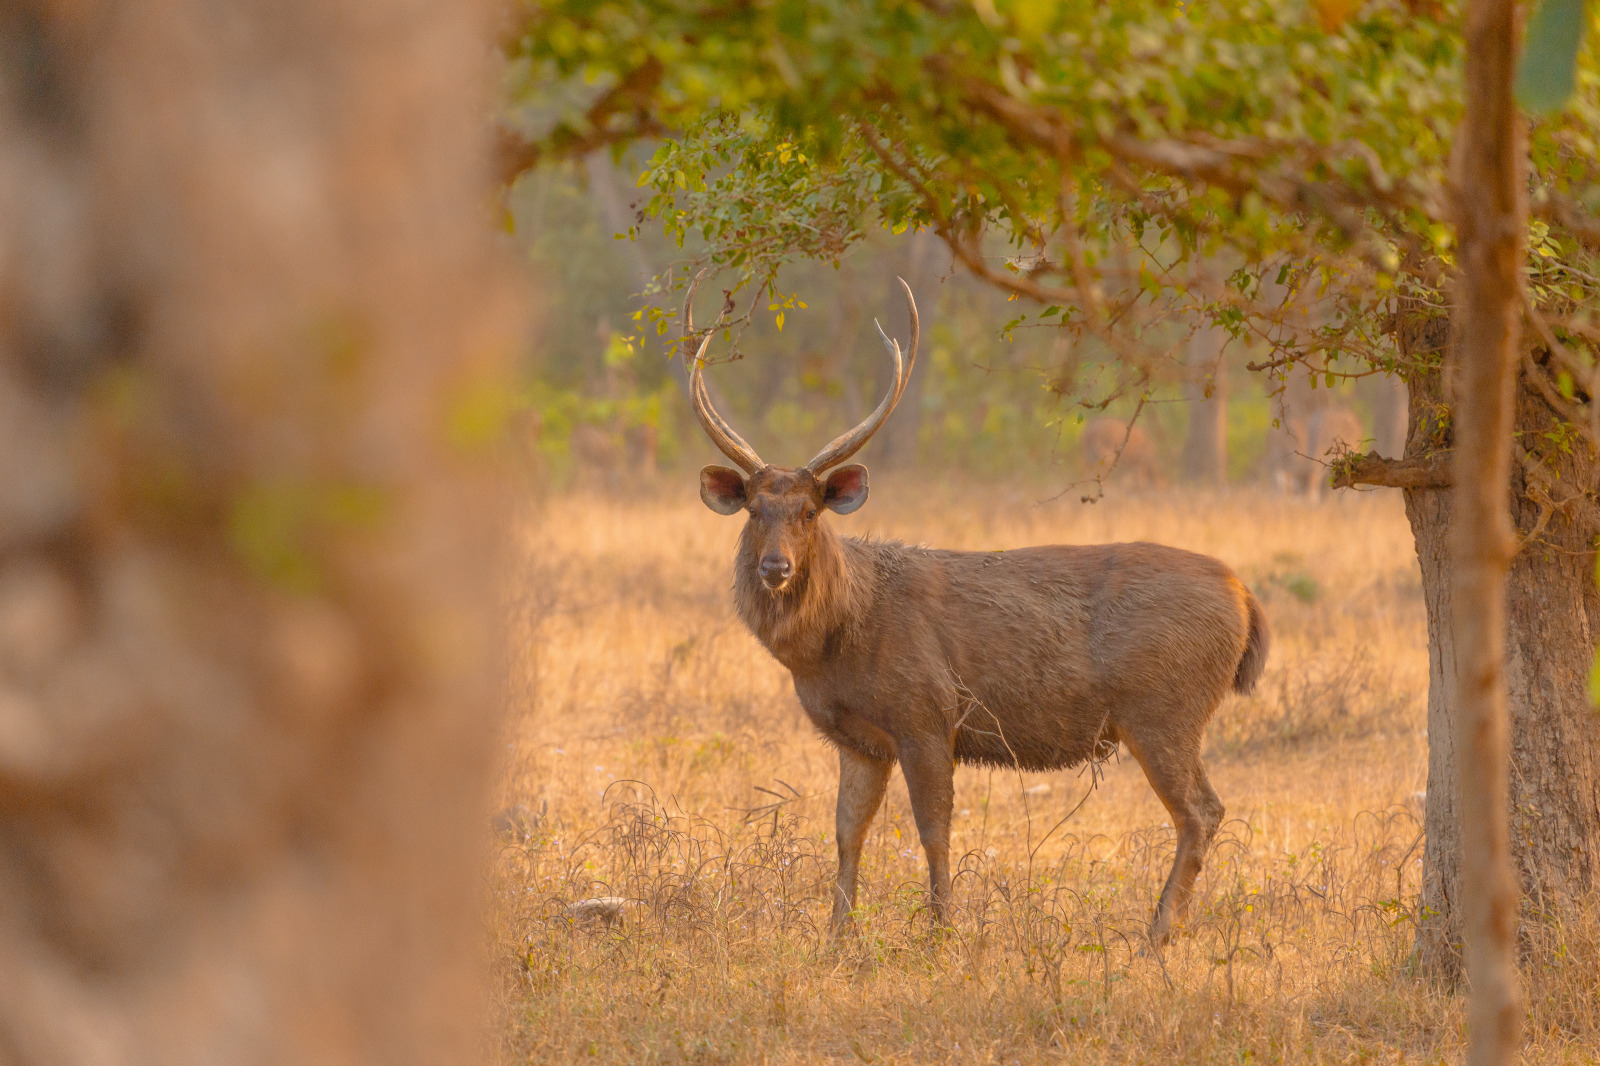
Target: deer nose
{"type": "Point", "coordinates": [775, 569]}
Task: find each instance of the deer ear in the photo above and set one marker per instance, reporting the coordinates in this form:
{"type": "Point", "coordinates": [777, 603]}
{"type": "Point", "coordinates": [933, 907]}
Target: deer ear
{"type": "Point", "coordinates": [846, 489]}
{"type": "Point", "coordinates": [722, 489]}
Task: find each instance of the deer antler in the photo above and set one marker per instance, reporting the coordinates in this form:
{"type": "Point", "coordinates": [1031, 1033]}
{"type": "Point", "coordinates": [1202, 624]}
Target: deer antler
{"type": "Point", "coordinates": [846, 445]}
{"type": "Point", "coordinates": [722, 435]}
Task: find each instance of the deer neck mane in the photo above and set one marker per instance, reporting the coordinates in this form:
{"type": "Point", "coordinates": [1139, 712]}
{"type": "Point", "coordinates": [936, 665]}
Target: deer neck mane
{"type": "Point", "coordinates": [816, 611]}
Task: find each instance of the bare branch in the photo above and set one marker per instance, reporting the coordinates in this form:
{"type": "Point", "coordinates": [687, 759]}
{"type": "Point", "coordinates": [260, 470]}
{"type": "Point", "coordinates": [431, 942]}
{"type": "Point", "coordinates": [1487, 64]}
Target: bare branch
{"type": "Point", "coordinates": [1423, 472]}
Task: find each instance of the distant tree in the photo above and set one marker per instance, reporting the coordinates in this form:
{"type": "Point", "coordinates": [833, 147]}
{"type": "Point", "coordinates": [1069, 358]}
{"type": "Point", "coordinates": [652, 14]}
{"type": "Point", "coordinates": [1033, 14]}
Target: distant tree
{"type": "Point", "coordinates": [1205, 390]}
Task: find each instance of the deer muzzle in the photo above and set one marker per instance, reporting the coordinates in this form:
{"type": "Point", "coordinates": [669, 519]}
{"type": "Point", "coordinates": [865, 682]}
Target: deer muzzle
{"type": "Point", "coordinates": [775, 571]}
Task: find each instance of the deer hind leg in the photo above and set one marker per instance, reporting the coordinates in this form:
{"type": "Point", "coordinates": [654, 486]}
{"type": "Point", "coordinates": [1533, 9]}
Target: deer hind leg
{"type": "Point", "coordinates": [1179, 781]}
{"type": "Point", "coordinates": [862, 781]}
{"type": "Point", "coordinates": [929, 768]}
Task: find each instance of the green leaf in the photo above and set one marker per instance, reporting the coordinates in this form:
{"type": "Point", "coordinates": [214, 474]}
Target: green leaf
{"type": "Point", "coordinates": [1547, 68]}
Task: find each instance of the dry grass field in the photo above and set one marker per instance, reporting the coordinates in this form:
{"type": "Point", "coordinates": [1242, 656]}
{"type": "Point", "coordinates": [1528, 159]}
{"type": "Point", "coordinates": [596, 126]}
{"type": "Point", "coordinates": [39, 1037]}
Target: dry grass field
{"type": "Point", "coordinates": [659, 755]}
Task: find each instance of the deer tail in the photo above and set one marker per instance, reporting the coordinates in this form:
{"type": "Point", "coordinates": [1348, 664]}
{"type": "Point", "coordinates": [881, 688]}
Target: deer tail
{"type": "Point", "coordinates": [1254, 659]}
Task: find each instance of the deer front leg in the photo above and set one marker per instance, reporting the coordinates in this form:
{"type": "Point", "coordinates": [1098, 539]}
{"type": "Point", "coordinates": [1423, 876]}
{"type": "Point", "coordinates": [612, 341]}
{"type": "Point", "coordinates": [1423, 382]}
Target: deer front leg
{"type": "Point", "coordinates": [929, 768]}
{"type": "Point", "coordinates": [862, 781]}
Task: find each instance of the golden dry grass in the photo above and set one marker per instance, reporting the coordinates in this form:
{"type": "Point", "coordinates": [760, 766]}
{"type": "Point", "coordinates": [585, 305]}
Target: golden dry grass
{"type": "Point", "coordinates": [661, 757]}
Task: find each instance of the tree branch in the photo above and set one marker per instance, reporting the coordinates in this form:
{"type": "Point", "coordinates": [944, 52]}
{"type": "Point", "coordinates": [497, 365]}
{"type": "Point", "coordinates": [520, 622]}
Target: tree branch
{"type": "Point", "coordinates": [628, 101]}
{"type": "Point", "coordinates": [1238, 167]}
{"type": "Point", "coordinates": [1423, 472]}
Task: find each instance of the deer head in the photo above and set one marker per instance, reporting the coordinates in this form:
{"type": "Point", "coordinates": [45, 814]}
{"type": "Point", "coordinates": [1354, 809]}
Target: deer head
{"type": "Point", "coordinates": [783, 502]}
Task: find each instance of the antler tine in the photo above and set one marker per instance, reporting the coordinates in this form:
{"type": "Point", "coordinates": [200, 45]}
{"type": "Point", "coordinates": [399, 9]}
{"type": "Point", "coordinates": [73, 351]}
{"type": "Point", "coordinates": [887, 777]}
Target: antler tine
{"type": "Point", "coordinates": [722, 435]}
{"type": "Point", "coordinates": [688, 313]}
{"type": "Point", "coordinates": [916, 334]}
{"type": "Point", "coordinates": [847, 444]}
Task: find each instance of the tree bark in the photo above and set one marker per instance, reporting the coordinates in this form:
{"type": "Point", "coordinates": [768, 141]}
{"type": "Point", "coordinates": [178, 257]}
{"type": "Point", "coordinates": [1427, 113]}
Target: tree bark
{"type": "Point", "coordinates": [1552, 620]}
{"type": "Point", "coordinates": [1552, 611]}
{"type": "Point", "coordinates": [1429, 472]}
{"type": "Point", "coordinates": [1429, 509]}
{"type": "Point", "coordinates": [1205, 392]}
{"type": "Point", "coordinates": [246, 697]}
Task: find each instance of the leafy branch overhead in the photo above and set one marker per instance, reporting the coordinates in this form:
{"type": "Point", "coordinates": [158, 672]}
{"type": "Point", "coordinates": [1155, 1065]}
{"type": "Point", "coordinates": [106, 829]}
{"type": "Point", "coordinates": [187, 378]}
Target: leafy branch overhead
{"type": "Point", "coordinates": [1129, 170]}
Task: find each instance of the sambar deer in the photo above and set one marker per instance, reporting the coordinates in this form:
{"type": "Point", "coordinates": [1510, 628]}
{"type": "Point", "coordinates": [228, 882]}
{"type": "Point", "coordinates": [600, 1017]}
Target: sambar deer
{"type": "Point", "coordinates": [1111, 445]}
{"type": "Point", "coordinates": [1300, 450]}
{"type": "Point", "coordinates": [1037, 658]}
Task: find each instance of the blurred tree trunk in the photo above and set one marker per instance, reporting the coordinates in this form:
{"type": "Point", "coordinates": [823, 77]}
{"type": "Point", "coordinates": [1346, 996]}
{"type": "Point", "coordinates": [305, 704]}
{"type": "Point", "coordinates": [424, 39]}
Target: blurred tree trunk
{"type": "Point", "coordinates": [1205, 391]}
{"type": "Point", "coordinates": [251, 341]}
{"type": "Point", "coordinates": [840, 359]}
{"type": "Point", "coordinates": [1287, 447]}
{"type": "Point", "coordinates": [1491, 225]}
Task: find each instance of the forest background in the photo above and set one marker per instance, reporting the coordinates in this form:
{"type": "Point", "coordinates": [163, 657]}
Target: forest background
{"type": "Point", "coordinates": [988, 400]}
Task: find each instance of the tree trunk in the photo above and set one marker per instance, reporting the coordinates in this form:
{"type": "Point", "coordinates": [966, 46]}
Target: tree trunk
{"type": "Point", "coordinates": [839, 362]}
{"type": "Point", "coordinates": [246, 709]}
{"type": "Point", "coordinates": [1429, 511]}
{"type": "Point", "coordinates": [1552, 617]}
{"type": "Point", "coordinates": [1491, 227]}
{"type": "Point", "coordinates": [1552, 622]}
{"type": "Point", "coordinates": [1552, 797]}
{"type": "Point", "coordinates": [1205, 392]}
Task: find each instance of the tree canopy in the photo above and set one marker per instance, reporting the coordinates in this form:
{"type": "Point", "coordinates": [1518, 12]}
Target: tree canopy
{"type": "Point", "coordinates": [1280, 167]}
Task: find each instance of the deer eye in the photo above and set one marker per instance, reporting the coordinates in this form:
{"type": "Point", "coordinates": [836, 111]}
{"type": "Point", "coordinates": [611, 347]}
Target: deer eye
{"type": "Point", "coordinates": [811, 513]}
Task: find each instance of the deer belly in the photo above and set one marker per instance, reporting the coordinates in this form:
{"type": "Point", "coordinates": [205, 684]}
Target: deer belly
{"type": "Point", "coordinates": [838, 722]}
{"type": "Point", "coordinates": [1029, 739]}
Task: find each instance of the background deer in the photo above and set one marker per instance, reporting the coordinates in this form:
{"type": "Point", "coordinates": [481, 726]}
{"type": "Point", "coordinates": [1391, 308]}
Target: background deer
{"type": "Point", "coordinates": [1109, 447]}
{"type": "Point", "coordinates": [1038, 658]}
{"type": "Point", "coordinates": [1301, 450]}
